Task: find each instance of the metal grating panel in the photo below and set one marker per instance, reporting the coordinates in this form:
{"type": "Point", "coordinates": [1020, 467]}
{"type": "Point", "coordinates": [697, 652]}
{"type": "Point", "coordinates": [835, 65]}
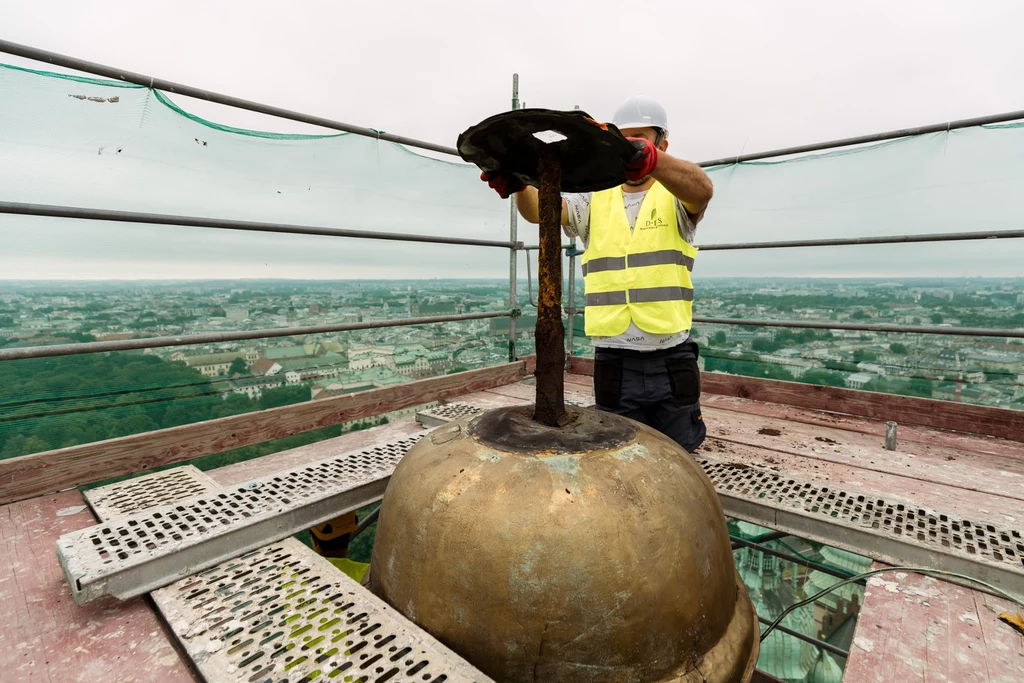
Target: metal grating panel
{"type": "Point", "coordinates": [435, 417]}
{"type": "Point", "coordinates": [449, 412]}
{"type": "Point", "coordinates": [890, 530]}
{"type": "Point", "coordinates": [149, 549]}
{"type": "Point", "coordinates": [283, 614]}
{"type": "Point", "coordinates": [292, 615]}
{"type": "Point", "coordinates": [133, 495]}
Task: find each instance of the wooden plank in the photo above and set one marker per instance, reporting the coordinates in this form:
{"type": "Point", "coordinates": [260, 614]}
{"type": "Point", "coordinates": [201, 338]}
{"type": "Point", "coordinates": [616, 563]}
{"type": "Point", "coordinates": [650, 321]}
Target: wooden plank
{"type": "Point", "coordinates": [975, 443]}
{"type": "Point", "coordinates": [916, 628]}
{"type": "Point", "coordinates": [40, 473]}
{"type": "Point", "coordinates": [45, 635]}
{"type": "Point", "coordinates": [963, 417]}
{"type": "Point", "coordinates": [982, 473]}
{"type": "Point", "coordinates": [911, 438]}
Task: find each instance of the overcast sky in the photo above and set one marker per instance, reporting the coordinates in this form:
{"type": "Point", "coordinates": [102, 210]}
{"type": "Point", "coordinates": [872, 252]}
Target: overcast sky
{"type": "Point", "coordinates": [735, 77]}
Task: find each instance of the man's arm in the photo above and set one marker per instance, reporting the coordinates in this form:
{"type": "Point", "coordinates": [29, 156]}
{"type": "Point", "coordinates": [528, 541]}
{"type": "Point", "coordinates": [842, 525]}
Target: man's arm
{"type": "Point", "coordinates": [684, 179]}
{"type": "Point", "coordinates": [528, 203]}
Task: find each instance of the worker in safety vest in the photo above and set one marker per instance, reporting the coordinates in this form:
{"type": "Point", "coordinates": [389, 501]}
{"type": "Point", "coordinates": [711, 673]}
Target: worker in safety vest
{"type": "Point", "coordinates": [636, 271]}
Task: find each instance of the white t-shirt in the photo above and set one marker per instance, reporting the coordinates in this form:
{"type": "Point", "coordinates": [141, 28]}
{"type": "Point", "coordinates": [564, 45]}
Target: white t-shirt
{"type": "Point", "coordinates": [578, 205]}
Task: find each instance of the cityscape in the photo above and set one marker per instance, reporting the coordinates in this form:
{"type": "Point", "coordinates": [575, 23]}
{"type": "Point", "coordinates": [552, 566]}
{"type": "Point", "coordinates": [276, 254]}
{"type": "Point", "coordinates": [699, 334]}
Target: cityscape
{"type": "Point", "coordinates": [58, 402]}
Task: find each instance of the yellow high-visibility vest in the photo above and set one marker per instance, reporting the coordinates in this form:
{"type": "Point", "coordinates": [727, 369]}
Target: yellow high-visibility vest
{"type": "Point", "coordinates": [643, 276]}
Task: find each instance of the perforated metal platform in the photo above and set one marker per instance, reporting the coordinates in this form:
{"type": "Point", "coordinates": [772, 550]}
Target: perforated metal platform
{"type": "Point", "coordinates": [281, 613]}
{"type": "Point", "coordinates": [889, 530]}
{"type": "Point", "coordinates": [150, 490]}
{"type": "Point", "coordinates": [449, 412]}
{"type": "Point", "coordinates": [149, 549]}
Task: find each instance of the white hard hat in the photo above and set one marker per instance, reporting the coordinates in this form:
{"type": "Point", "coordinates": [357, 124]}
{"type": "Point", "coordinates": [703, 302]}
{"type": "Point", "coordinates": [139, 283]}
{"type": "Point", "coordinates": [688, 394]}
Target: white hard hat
{"type": "Point", "coordinates": [641, 111]}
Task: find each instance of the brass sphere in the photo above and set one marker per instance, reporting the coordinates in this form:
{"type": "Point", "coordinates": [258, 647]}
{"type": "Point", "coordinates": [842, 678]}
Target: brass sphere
{"type": "Point", "coordinates": [595, 552]}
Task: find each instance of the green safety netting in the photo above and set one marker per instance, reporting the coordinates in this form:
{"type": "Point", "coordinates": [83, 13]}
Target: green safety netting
{"type": "Point", "coordinates": [76, 141]}
{"type": "Point", "coordinates": [101, 144]}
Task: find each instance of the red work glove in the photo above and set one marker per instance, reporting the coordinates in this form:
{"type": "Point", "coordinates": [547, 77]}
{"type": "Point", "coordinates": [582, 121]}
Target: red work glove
{"type": "Point", "coordinates": [502, 183]}
{"type": "Point", "coordinates": [643, 162]}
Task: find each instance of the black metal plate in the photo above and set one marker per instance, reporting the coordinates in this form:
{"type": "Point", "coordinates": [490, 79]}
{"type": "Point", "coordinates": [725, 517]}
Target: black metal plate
{"type": "Point", "coordinates": [593, 157]}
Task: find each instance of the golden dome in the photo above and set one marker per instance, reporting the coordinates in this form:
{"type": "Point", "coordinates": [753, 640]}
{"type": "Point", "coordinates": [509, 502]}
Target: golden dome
{"type": "Point", "coordinates": [593, 552]}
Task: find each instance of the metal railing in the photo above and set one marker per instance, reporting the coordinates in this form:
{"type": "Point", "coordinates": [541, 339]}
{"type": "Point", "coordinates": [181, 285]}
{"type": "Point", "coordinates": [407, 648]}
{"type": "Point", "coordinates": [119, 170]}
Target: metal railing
{"type": "Point", "coordinates": [242, 335]}
{"type": "Point", "coordinates": [512, 244]}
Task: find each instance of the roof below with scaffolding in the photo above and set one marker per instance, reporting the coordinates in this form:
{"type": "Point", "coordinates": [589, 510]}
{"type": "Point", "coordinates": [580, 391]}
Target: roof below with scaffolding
{"type": "Point", "coordinates": [909, 626]}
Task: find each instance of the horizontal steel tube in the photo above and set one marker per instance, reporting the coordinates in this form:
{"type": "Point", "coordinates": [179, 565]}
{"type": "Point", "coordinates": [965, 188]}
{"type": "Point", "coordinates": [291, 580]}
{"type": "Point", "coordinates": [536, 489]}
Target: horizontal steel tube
{"type": "Point", "coordinates": [827, 647]}
{"type": "Point", "coordinates": [199, 93]}
{"type": "Point", "coordinates": [911, 329]}
{"type": "Point", "coordinates": [789, 557]}
{"type": "Point", "coordinates": [217, 337]}
{"type": "Point", "coordinates": [81, 213]}
{"type": "Point", "coordinates": [210, 96]}
{"type": "Point", "coordinates": [847, 241]}
{"type": "Point", "coordinates": [885, 239]}
{"type": "Point", "coordinates": [867, 139]}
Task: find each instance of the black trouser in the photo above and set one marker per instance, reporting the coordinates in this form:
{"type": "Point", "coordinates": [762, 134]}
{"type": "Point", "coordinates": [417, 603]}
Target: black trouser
{"type": "Point", "coordinates": [658, 388]}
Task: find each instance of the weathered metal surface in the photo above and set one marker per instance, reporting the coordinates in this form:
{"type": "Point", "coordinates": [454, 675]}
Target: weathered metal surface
{"type": "Point", "coordinates": [150, 490]}
{"type": "Point", "coordinates": [146, 550]}
{"type": "Point", "coordinates": [282, 613]}
{"type": "Point", "coordinates": [550, 332]}
{"type": "Point", "coordinates": [600, 562]}
{"type": "Point", "coordinates": [511, 430]}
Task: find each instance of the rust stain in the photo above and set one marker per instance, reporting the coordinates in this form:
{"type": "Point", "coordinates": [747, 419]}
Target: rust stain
{"type": "Point", "coordinates": [549, 332]}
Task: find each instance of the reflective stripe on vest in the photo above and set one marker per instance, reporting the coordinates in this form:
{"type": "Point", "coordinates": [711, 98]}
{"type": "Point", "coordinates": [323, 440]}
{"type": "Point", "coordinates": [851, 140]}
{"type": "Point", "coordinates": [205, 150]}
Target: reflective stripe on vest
{"type": "Point", "coordinates": [640, 296]}
{"type": "Point", "coordinates": [650, 258]}
{"type": "Point", "coordinates": [641, 275]}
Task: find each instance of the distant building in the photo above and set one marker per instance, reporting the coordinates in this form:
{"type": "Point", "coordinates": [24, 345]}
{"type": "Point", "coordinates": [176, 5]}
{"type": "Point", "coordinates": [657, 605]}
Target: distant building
{"type": "Point", "coordinates": [236, 313]}
{"type": "Point", "coordinates": [253, 387]}
{"type": "Point", "coordinates": [280, 353]}
{"type": "Point", "coordinates": [438, 308]}
{"type": "Point", "coordinates": [858, 380]}
{"type": "Point", "coordinates": [365, 357]}
{"type": "Point", "coordinates": [525, 323]}
{"type": "Point", "coordinates": [409, 364]}
{"type": "Point", "coordinates": [265, 366]}
{"type": "Point", "coordinates": [212, 364]}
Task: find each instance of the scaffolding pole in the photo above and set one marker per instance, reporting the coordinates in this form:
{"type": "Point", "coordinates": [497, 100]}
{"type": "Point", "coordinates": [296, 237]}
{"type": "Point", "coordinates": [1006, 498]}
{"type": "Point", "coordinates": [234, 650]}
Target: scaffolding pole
{"type": "Point", "coordinates": [907, 329]}
{"type": "Point", "coordinates": [79, 213]}
{"type": "Point", "coordinates": [210, 96]}
{"type": "Point", "coordinates": [868, 139]}
{"type": "Point", "coordinates": [513, 257]}
{"type": "Point", "coordinates": [218, 337]}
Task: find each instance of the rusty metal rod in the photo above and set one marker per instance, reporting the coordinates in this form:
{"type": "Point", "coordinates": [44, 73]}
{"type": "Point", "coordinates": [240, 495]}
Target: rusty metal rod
{"type": "Point", "coordinates": [549, 332]}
